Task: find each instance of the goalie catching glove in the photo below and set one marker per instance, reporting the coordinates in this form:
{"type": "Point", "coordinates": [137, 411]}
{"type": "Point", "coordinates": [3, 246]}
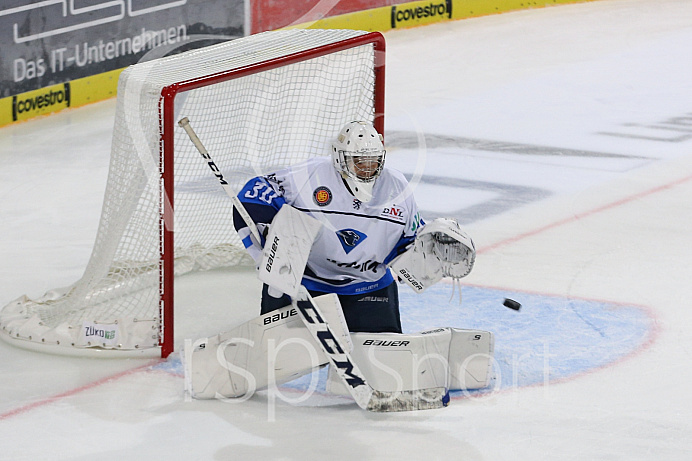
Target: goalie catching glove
{"type": "Point", "coordinates": [441, 249]}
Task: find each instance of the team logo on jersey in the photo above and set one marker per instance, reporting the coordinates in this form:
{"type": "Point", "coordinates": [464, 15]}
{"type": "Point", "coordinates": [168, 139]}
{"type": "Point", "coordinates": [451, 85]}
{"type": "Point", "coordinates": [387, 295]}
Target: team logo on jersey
{"type": "Point", "coordinates": [350, 238]}
{"type": "Point", "coordinates": [322, 196]}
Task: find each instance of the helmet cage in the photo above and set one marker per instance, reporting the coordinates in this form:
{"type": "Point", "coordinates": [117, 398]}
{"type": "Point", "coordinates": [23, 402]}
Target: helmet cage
{"type": "Point", "coordinates": [358, 155]}
{"type": "Point", "coordinates": [364, 165]}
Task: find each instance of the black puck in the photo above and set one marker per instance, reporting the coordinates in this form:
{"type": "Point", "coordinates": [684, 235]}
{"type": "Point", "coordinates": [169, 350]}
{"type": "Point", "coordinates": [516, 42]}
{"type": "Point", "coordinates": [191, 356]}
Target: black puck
{"type": "Point", "coordinates": [512, 304]}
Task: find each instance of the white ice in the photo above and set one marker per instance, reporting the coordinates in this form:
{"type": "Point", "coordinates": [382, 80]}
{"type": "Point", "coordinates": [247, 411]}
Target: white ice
{"type": "Point", "coordinates": [598, 206]}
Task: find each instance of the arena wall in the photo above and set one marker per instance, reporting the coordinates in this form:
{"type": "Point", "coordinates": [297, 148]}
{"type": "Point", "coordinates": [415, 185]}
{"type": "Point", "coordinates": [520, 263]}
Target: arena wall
{"type": "Point", "coordinates": [57, 56]}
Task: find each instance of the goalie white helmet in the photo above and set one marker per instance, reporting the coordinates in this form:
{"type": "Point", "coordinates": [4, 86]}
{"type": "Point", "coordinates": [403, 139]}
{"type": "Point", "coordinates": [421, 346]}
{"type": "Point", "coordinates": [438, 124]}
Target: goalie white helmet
{"type": "Point", "coordinates": [358, 156]}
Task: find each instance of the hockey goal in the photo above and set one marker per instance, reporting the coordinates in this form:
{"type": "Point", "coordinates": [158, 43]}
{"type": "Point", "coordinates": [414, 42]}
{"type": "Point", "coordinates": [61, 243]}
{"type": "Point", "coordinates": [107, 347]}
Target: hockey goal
{"type": "Point", "coordinates": [259, 103]}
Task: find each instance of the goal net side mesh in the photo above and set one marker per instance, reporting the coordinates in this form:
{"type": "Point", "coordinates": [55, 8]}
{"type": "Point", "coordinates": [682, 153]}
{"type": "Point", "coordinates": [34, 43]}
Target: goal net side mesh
{"type": "Point", "coordinates": [271, 118]}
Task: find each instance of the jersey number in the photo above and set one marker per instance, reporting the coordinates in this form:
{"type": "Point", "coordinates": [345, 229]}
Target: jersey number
{"type": "Point", "coordinates": [261, 192]}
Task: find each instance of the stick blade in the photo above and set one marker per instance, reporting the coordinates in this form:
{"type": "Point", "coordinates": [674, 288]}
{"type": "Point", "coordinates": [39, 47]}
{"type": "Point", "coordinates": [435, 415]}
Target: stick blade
{"type": "Point", "coordinates": [419, 399]}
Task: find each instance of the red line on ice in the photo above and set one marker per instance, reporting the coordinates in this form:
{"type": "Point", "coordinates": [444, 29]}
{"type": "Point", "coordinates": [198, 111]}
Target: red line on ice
{"type": "Point", "coordinates": [585, 214]}
{"type": "Point", "coordinates": [71, 392]}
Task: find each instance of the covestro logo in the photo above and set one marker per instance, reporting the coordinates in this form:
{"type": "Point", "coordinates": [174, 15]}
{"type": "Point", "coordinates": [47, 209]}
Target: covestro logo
{"type": "Point", "coordinates": [410, 14]}
{"type": "Point", "coordinates": [27, 105]}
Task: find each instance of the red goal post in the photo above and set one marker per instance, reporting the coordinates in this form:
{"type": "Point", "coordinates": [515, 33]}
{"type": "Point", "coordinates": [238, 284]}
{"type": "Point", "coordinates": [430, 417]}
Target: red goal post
{"type": "Point", "coordinates": [259, 103]}
{"type": "Point", "coordinates": [168, 95]}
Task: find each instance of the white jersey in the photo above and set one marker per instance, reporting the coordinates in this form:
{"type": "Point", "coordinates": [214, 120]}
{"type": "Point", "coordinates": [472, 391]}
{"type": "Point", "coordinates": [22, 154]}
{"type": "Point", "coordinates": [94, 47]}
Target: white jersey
{"type": "Point", "coordinates": [357, 239]}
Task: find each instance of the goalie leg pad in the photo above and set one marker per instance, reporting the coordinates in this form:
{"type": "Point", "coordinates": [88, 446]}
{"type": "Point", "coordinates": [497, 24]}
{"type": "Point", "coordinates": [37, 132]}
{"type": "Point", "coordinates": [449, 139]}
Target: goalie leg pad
{"type": "Point", "coordinates": [273, 348]}
{"type": "Point", "coordinates": [444, 357]}
{"type": "Point", "coordinates": [394, 362]}
{"type": "Point", "coordinates": [470, 359]}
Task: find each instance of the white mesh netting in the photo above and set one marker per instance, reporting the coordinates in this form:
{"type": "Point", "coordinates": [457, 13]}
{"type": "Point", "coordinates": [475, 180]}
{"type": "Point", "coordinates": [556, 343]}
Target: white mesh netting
{"type": "Point", "coordinates": [250, 125]}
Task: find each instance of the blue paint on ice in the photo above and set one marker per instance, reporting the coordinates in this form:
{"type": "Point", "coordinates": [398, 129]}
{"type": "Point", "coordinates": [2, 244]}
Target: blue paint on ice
{"type": "Point", "coordinates": [550, 338]}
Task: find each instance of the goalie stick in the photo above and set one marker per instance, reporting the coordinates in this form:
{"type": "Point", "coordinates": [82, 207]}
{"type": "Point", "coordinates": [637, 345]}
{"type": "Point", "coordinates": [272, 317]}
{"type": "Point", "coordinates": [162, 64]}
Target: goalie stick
{"type": "Point", "coordinates": [365, 396]}
{"type": "Point", "coordinates": [185, 125]}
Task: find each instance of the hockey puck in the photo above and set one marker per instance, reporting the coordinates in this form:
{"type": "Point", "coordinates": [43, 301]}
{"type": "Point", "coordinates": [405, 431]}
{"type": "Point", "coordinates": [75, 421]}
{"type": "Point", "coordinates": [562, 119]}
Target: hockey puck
{"type": "Point", "coordinates": [512, 304]}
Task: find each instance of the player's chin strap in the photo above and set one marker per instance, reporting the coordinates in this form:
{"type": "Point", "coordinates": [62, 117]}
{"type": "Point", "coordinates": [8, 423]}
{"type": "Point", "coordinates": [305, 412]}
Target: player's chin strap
{"type": "Point", "coordinates": [282, 267]}
{"type": "Point", "coordinates": [441, 249]}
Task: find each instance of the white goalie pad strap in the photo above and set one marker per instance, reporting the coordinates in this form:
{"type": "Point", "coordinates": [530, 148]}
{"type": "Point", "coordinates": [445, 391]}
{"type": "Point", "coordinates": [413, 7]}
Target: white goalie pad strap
{"type": "Point", "coordinates": [286, 249]}
{"type": "Point", "coordinates": [271, 349]}
{"type": "Point", "coordinates": [444, 357]}
{"type": "Point", "coordinates": [441, 249]}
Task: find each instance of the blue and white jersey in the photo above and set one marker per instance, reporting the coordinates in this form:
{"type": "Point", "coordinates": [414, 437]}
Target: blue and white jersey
{"type": "Point", "coordinates": [357, 240]}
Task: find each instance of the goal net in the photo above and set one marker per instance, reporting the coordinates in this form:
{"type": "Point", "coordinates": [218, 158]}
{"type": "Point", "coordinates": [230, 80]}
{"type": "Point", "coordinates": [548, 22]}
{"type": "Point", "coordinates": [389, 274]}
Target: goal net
{"type": "Point", "coordinates": [258, 103]}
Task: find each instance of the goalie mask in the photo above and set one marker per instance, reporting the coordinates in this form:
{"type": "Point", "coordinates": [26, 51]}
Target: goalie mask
{"type": "Point", "coordinates": [358, 156]}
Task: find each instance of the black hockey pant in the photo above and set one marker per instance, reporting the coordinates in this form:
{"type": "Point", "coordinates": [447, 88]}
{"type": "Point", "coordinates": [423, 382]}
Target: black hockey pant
{"type": "Point", "coordinates": [373, 312]}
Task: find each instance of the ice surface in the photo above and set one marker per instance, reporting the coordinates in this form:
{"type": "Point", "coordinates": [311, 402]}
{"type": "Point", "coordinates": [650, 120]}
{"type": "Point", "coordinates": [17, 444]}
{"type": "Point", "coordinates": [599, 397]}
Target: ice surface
{"type": "Point", "coordinates": [561, 137]}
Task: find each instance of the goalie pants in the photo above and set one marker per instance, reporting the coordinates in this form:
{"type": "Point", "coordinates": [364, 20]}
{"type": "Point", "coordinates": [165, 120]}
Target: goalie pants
{"type": "Point", "coordinates": [373, 312]}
